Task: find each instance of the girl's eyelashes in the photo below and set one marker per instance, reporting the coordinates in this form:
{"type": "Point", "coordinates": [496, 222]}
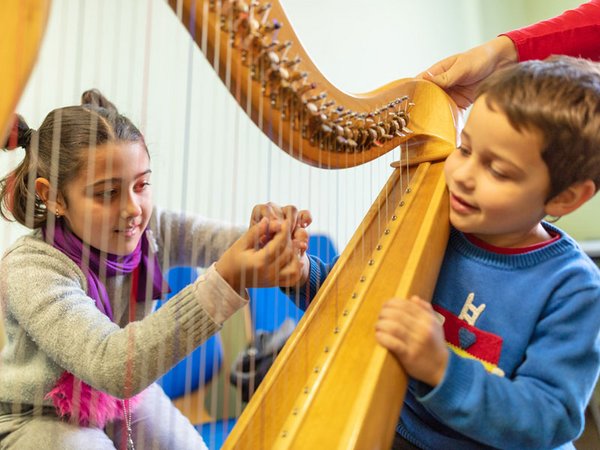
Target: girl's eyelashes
{"type": "Point", "coordinates": [143, 185]}
{"type": "Point", "coordinates": [107, 194]}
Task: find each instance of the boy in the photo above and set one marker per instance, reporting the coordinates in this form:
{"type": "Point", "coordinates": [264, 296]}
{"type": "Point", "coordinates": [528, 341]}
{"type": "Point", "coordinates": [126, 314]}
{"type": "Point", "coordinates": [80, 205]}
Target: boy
{"type": "Point", "coordinates": [508, 352]}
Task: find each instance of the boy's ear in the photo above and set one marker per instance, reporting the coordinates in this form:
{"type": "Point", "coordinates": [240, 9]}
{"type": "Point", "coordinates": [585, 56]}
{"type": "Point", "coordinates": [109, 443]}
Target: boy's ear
{"type": "Point", "coordinates": [571, 198]}
{"type": "Point", "coordinates": [44, 191]}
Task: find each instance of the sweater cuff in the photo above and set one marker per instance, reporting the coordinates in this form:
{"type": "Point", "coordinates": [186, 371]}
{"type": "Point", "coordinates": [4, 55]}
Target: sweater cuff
{"type": "Point", "coordinates": [216, 296]}
{"type": "Point", "coordinates": [303, 295]}
{"type": "Point", "coordinates": [447, 397]}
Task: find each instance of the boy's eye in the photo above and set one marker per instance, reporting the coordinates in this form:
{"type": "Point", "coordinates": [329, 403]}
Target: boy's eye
{"type": "Point", "coordinates": [464, 151]}
{"type": "Point", "coordinates": [498, 173]}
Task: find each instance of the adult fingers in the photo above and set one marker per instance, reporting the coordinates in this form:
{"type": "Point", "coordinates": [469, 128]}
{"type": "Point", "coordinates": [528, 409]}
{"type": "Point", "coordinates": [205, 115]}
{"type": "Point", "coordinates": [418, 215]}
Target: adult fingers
{"type": "Point", "coordinates": [438, 72]}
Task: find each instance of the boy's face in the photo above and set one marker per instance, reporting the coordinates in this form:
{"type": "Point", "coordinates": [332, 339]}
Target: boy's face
{"type": "Point", "coordinates": [497, 180]}
{"type": "Point", "coordinates": [109, 204]}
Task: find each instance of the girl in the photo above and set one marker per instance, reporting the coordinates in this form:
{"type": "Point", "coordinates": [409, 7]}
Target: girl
{"type": "Point", "coordinates": [83, 350]}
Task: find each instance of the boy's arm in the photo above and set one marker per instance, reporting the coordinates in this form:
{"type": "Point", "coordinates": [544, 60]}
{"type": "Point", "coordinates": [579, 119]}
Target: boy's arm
{"type": "Point", "coordinates": [318, 271]}
{"type": "Point", "coordinates": [540, 405]}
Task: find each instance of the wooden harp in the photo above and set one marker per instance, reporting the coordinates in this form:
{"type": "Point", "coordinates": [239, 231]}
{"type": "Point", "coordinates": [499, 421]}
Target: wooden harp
{"type": "Point", "coordinates": [333, 386]}
{"type": "Point", "coordinates": [23, 25]}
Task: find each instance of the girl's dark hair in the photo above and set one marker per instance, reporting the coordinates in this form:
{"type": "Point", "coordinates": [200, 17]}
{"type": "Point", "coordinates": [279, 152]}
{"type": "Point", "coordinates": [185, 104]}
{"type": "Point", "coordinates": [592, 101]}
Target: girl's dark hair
{"type": "Point", "coordinates": [57, 151]}
{"type": "Point", "coordinates": [559, 98]}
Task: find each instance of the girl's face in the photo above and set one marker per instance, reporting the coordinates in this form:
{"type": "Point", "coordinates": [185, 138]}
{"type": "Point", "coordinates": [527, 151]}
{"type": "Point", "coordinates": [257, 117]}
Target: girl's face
{"type": "Point", "coordinates": [109, 204]}
{"type": "Point", "coordinates": [498, 181]}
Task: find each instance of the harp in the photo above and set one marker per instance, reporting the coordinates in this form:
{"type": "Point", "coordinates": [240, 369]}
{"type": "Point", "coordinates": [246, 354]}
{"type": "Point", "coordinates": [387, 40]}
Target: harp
{"type": "Point", "coordinates": [23, 23]}
{"type": "Point", "coordinates": [332, 386]}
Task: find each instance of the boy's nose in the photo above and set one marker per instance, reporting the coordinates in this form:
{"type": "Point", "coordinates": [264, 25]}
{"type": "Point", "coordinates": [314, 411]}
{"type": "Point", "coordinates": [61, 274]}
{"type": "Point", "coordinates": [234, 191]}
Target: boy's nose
{"type": "Point", "coordinates": [463, 175]}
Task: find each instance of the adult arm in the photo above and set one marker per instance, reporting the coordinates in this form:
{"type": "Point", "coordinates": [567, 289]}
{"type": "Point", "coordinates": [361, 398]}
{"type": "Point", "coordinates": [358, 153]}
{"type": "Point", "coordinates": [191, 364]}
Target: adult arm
{"type": "Point", "coordinates": [576, 33]}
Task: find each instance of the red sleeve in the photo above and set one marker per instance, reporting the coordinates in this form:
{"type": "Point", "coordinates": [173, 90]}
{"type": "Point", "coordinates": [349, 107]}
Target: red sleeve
{"type": "Point", "coordinates": [575, 33]}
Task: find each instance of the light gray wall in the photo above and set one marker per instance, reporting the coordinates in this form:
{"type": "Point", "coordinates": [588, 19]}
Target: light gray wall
{"type": "Point", "coordinates": [207, 156]}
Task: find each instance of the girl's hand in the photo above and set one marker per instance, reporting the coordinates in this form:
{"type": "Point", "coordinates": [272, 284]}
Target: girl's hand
{"type": "Point", "coordinates": [300, 220]}
{"type": "Point", "coordinates": [248, 263]}
{"type": "Point", "coordinates": [411, 330]}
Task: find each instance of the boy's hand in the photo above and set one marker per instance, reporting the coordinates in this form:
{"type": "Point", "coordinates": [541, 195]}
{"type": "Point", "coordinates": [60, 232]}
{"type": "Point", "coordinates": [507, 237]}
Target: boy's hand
{"type": "Point", "coordinates": [248, 264]}
{"type": "Point", "coordinates": [411, 330]}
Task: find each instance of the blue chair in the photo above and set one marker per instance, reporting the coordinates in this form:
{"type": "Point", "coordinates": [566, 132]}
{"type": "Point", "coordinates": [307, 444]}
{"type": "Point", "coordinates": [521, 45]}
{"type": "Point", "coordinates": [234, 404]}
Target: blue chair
{"type": "Point", "coordinates": [215, 433]}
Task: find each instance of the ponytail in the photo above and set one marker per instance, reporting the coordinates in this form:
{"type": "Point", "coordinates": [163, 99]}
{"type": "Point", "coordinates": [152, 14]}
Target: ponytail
{"type": "Point", "coordinates": [19, 136]}
{"type": "Point", "coordinates": [13, 187]}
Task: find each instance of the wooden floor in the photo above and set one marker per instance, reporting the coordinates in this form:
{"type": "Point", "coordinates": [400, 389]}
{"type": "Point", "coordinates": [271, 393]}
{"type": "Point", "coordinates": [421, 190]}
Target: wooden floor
{"type": "Point", "coordinates": [590, 439]}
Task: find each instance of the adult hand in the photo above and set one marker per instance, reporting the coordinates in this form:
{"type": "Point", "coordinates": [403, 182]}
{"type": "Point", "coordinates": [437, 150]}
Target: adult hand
{"type": "Point", "coordinates": [460, 75]}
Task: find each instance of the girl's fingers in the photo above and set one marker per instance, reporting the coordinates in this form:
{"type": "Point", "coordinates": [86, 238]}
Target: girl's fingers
{"type": "Point", "coordinates": [276, 246]}
{"type": "Point", "coordinates": [268, 210]}
{"type": "Point", "coordinates": [258, 212]}
{"type": "Point", "coordinates": [255, 234]}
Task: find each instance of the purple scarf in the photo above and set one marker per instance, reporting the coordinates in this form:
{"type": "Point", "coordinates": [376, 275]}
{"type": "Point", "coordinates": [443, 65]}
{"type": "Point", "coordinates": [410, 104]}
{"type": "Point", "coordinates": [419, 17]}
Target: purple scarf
{"type": "Point", "coordinates": [93, 263]}
{"type": "Point", "coordinates": [75, 400]}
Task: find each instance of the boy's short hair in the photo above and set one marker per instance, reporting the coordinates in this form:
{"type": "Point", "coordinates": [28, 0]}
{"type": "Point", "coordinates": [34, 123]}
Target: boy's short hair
{"type": "Point", "coordinates": [560, 98]}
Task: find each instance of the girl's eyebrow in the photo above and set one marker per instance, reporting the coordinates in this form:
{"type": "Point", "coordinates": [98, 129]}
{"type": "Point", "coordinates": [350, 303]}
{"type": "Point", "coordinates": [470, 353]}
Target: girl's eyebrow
{"type": "Point", "coordinates": [117, 180]}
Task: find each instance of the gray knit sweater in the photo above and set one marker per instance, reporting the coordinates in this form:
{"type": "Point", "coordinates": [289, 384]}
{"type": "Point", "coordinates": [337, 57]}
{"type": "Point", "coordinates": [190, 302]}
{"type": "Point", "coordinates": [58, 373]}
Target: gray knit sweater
{"type": "Point", "coordinates": [53, 326]}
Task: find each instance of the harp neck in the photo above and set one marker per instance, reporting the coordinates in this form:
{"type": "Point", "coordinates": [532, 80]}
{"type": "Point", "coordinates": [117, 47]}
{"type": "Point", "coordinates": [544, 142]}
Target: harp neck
{"type": "Point", "coordinates": [261, 61]}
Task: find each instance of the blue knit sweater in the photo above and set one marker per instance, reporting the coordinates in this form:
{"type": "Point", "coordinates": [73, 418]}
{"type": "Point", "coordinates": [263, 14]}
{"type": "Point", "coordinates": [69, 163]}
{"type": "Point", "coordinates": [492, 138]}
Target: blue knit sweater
{"type": "Point", "coordinates": [524, 335]}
